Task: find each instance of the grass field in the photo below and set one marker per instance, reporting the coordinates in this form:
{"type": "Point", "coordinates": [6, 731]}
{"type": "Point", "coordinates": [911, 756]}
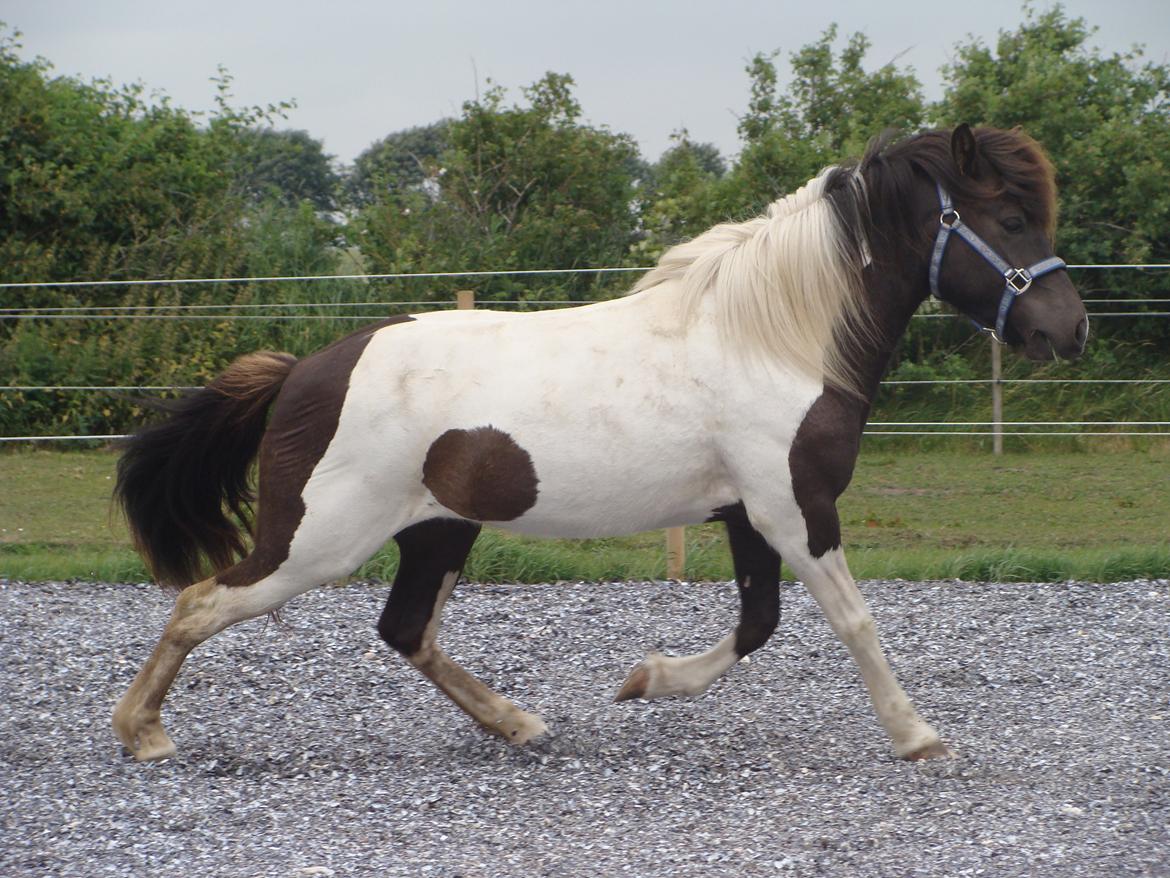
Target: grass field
{"type": "Point", "coordinates": [1033, 516]}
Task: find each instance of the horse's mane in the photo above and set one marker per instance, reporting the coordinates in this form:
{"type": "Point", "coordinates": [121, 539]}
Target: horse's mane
{"type": "Point", "coordinates": [787, 284]}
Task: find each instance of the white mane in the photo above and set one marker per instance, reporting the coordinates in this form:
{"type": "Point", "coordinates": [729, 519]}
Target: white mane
{"type": "Point", "coordinates": [786, 284]}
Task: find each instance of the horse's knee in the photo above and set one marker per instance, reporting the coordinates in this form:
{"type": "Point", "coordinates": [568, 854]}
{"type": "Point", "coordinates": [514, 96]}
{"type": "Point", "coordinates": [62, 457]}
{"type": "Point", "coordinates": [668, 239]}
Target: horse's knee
{"type": "Point", "coordinates": [404, 636]}
{"type": "Point", "coordinates": [754, 631]}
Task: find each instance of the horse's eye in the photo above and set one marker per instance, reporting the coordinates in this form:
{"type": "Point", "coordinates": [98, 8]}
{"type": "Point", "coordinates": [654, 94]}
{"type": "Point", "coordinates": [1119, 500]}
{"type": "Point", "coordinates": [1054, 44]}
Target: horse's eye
{"type": "Point", "coordinates": [1012, 224]}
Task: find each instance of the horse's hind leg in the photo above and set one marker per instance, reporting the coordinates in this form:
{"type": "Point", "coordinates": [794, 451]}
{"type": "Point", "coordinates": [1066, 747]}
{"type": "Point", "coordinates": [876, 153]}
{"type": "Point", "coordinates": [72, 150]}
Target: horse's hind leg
{"type": "Point", "coordinates": [201, 610]}
{"type": "Point", "coordinates": [281, 566]}
{"type": "Point", "coordinates": [137, 721]}
{"type": "Point", "coordinates": [242, 592]}
{"type": "Point", "coordinates": [757, 573]}
{"type": "Point", "coordinates": [432, 555]}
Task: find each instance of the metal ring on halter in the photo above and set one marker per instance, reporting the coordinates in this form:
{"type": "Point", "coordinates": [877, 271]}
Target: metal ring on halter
{"type": "Point", "coordinates": [1013, 275]}
{"type": "Point", "coordinates": [949, 211]}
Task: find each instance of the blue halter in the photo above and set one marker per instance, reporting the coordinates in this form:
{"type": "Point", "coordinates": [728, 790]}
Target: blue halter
{"type": "Point", "coordinates": [1017, 280]}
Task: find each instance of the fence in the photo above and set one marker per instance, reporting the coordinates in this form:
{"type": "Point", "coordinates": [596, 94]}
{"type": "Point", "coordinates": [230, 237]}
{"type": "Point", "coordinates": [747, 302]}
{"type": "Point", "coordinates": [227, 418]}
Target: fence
{"type": "Point", "coordinates": [465, 299]}
{"type": "Point", "coordinates": [995, 428]}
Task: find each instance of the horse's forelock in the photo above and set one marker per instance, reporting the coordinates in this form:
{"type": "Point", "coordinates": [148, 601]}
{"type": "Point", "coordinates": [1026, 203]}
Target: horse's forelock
{"type": "Point", "coordinates": [1024, 171]}
{"type": "Point", "coordinates": [1010, 162]}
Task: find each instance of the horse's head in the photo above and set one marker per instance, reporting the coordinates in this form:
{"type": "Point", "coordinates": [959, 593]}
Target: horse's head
{"type": "Point", "coordinates": [992, 257]}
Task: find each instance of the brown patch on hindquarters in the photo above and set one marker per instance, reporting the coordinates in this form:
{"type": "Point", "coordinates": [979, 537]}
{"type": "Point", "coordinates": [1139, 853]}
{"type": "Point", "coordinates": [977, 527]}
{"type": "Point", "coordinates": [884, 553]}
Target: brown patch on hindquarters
{"type": "Point", "coordinates": [481, 474]}
{"type": "Point", "coordinates": [302, 425]}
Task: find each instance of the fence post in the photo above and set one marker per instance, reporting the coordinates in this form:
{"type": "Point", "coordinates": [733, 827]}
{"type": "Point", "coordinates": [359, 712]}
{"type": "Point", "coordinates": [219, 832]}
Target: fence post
{"type": "Point", "coordinates": [996, 396]}
{"type": "Point", "coordinates": [465, 300]}
{"type": "Point", "coordinates": [676, 552]}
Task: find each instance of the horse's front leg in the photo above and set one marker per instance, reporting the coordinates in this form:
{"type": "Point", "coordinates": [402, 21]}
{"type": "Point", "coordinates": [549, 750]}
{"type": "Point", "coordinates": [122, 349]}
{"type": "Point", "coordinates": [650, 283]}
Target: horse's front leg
{"type": "Point", "coordinates": [828, 580]}
{"type": "Point", "coordinates": [757, 573]}
{"type": "Point", "coordinates": [800, 519]}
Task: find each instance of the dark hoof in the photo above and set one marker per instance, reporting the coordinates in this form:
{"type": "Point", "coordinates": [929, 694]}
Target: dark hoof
{"type": "Point", "coordinates": [635, 685]}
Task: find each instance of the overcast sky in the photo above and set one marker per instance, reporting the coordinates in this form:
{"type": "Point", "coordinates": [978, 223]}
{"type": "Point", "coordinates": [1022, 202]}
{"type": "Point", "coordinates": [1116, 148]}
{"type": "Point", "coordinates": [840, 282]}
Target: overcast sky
{"type": "Point", "coordinates": [360, 69]}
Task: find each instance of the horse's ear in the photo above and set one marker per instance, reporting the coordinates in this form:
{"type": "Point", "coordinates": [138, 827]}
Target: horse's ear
{"type": "Point", "coordinates": [964, 149]}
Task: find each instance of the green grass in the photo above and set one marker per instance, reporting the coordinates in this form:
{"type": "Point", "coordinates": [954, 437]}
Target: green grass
{"type": "Point", "coordinates": [912, 514]}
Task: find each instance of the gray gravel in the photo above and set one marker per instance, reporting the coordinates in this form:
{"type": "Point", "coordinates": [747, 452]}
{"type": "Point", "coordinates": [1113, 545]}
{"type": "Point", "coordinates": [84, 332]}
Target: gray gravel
{"type": "Point", "coordinates": [311, 750]}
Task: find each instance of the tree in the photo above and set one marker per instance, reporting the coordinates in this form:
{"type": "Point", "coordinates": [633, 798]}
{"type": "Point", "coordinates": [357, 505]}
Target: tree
{"type": "Point", "coordinates": [398, 162]}
{"type": "Point", "coordinates": [98, 184]}
{"type": "Point", "coordinates": [678, 194]}
{"type": "Point", "coordinates": [521, 186]}
{"type": "Point", "coordinates": [833, 107]}
{"type": "Point", "coordinates": [94, 183]}
{"type": "Point", "coordinates": [285, 166]}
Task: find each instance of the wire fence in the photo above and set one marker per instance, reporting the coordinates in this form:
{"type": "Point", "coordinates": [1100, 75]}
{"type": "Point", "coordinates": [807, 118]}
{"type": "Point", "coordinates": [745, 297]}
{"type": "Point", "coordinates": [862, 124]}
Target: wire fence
{"type": "Point", "coordinates": [272, 312]}
{"type": "Point", "coordinates": [515, 272]}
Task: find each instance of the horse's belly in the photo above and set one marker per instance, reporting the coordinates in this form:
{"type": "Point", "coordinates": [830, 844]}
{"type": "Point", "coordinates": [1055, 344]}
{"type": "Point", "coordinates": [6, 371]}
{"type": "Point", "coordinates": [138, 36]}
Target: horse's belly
{"type": "Point", "coordinates": [612, 506]}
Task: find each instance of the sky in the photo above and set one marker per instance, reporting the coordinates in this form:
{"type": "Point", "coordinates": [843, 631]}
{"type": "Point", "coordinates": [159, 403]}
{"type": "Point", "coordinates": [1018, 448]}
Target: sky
{"type": "Point", "coordinates": [359, 69]}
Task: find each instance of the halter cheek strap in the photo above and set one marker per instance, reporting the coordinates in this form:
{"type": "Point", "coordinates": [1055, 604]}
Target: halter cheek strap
{"type": "Point", "coordinates": [1017, 280]}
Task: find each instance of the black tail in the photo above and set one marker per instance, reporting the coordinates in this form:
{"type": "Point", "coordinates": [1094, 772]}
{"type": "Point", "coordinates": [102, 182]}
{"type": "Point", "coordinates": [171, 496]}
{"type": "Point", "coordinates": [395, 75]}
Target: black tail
{"type": "Point", "coordinates": [184, 483]}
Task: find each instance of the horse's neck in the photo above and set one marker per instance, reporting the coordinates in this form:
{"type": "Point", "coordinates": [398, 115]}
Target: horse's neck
{"type": "Point", "coordinates": [893, 301]}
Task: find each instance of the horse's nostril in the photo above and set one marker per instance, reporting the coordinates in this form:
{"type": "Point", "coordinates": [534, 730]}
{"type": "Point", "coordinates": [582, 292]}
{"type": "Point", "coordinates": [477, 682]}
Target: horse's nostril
{"type": "Point", "coordinates": [1083, 331]}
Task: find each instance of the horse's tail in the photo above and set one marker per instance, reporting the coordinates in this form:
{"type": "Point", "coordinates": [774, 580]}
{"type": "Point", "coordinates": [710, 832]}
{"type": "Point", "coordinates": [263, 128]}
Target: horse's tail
{"type": "Point", "coordinates": [184, 483]}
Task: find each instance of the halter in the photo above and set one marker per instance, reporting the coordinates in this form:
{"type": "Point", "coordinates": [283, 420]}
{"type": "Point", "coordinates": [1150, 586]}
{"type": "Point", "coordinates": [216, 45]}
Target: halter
{"type": "Point", "coordinates": [1018, 280]}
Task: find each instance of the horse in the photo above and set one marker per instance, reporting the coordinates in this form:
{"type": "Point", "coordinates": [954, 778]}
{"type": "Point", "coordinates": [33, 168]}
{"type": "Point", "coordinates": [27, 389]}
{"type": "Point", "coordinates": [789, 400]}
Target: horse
{"type": "Point", "coordinates": [731, 384]}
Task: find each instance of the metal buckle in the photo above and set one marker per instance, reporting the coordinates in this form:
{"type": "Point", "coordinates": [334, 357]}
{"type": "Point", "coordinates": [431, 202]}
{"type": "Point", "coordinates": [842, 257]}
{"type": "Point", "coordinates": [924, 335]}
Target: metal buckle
{"type": "Point", "coordinates": [1013, 276]}
{"type": "Point", "coordinates": [949, 212]}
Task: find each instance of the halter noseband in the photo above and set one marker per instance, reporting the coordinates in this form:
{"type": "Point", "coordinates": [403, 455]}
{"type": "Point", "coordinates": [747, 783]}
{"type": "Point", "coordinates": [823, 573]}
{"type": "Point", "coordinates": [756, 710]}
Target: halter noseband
{"type": "Point", "coordinates": [1017, 280]}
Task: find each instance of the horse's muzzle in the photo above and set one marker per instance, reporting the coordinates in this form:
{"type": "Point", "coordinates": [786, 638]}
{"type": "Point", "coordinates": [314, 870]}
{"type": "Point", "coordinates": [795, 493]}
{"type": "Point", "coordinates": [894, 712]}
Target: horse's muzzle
{"type": "Point", "coordinates": [1042, 345]}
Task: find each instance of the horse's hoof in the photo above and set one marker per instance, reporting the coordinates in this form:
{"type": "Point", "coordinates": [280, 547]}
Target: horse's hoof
{"type": "Point", "coordinates": [520, 728]}
{"type": "Point", "coordinates": [935, 750]}
{"type": "Point", "coordinates": [155, 750]}
{"type": "Point", "coordinates": [636, 684]}
{"type": "Point", "coordinates": [145, 741]}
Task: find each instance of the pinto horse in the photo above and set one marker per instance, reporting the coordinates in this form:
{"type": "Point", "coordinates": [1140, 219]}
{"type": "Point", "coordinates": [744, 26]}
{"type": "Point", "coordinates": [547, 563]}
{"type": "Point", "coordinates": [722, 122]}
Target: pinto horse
{"type": "Point", "coordinates": [731, 385]}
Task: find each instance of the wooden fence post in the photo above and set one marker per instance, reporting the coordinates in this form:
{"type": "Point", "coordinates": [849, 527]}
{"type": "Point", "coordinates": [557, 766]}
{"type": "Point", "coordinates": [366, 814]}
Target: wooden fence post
{"type": "Point", "coordinates": [996, 396]}
{"type": "Point", "coordinates": [676, 552]}
{"type": "Point", "coordinates": [465, 300]}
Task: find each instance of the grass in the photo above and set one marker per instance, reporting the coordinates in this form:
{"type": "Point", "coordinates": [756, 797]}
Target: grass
{"type": "Point", "coordinates": [1032, 516]}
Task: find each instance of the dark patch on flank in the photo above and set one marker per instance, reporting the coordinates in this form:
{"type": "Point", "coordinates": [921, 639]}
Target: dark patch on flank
{"type": "Point", "coordinates": [303, 423]}
{"type": "Point", "coordinates": [821, 464]}
{"type": "Point", "coordinates": [481, 474]}
{"type": "Point", "coordinates": [428, 551]}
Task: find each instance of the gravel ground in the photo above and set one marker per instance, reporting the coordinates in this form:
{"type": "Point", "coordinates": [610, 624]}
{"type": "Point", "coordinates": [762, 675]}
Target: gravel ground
{"type": "Point", "coordinates": [312, 750]}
